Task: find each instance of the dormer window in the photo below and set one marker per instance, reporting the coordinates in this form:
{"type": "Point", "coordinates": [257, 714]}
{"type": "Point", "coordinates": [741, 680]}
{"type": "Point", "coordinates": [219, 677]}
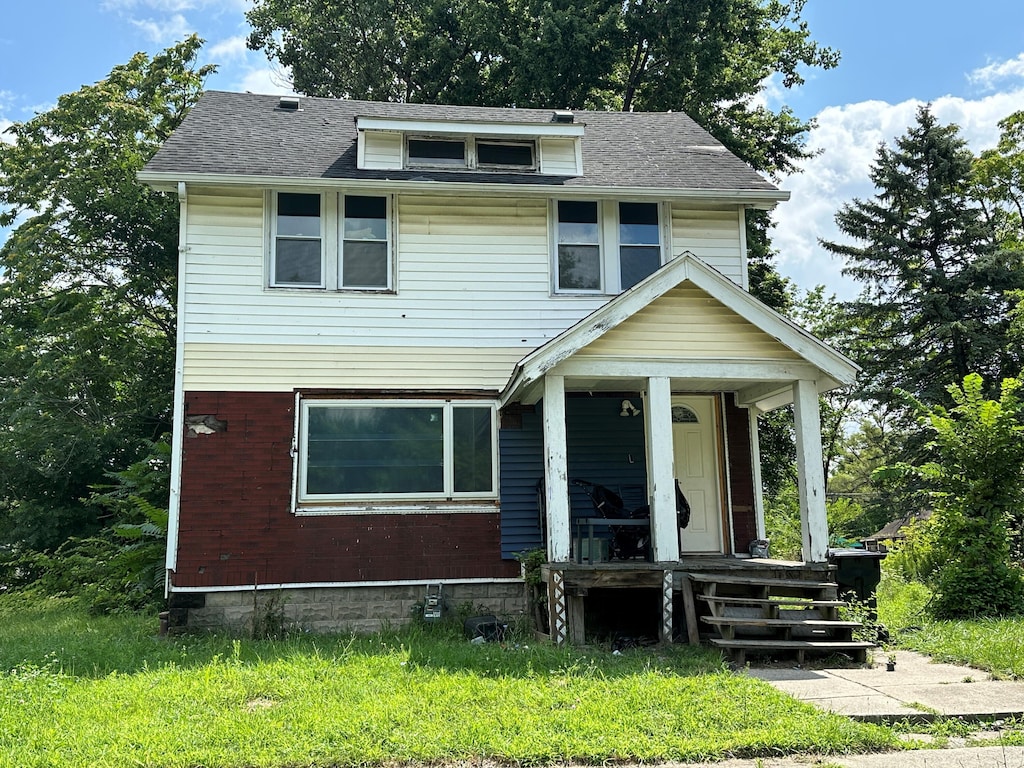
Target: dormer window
{"type": "Point", "coordinates": [444, 153]}
{"type": "Point", "coordinates": [505, 154]}
{"type": "Point", "coordinates": [485, 154]}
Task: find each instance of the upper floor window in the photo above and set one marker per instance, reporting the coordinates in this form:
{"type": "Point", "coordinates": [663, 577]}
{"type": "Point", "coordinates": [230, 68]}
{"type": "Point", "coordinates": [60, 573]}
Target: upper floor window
{"type": "Point", "coordinates": [604, 246]}
{"type": "Point", "coordinates": [298, 252]}
{"type": "Point", "coordinates": [332, 241]}
{"type": "Point", "coordinates": [395, 450]}
{"type": "Point", "coordinates": [365, 262]}
{"type": "Point", "coordinates": [471, 153]}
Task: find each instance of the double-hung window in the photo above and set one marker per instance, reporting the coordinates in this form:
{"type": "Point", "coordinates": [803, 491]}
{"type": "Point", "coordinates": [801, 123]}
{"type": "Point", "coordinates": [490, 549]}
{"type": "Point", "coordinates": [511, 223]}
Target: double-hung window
{"type": "Point", "coordinates": [605, 246]}
{"type": "Point", "coordinates": [331, 241]}
{"type": "Point", "coordinates": [297, 259]}
{"type": "Point", "coordinates": [396, 450]}
{"type": "Point", "coordinates": [365, 262]}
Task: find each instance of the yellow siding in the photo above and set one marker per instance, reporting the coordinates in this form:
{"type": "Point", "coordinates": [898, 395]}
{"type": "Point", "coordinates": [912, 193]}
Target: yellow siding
{"type": "Point", "coordinates": [283, 367]}
{"type": "Point", "coordinates": [687, 323]}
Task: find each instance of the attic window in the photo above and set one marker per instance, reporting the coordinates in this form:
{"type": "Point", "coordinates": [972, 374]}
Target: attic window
{"type": "Point", "coordinates": [504, 154]}
{"type": "Point", "coordinates": [446, 153]}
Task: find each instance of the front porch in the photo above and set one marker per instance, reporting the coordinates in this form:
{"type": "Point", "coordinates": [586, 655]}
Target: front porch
{"type": "Point", "coordinates": [742, 605]}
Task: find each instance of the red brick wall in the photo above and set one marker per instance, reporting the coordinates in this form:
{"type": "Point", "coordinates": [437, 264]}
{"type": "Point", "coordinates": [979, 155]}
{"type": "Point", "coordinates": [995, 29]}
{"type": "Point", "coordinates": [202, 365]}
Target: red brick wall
{"type": "Point", "coordinates": [236, 528]}
{"type": "Point", "coordinates": [741, 476]}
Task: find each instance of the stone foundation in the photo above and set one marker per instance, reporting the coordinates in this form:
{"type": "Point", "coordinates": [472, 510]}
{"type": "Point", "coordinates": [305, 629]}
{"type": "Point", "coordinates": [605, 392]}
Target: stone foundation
{"type": "Point", "coordinates": [361, 609]}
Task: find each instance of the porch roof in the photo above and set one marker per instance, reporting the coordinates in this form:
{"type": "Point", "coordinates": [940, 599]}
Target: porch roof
{"type": "Point", "coordinates": [692, 324]}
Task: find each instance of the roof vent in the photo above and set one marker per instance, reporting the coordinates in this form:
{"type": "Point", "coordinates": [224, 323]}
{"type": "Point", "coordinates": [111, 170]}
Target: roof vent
{"type": "Point", "coordinates": [562, 116]}
{"type": "Point", "coordinates": [289, 103]}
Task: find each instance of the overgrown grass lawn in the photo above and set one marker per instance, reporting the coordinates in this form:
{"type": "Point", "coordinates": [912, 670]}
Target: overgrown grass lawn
{"type": "Point", "coordinates": [78, 691]}
{"type": "Point", "coordinates": [995, 645]}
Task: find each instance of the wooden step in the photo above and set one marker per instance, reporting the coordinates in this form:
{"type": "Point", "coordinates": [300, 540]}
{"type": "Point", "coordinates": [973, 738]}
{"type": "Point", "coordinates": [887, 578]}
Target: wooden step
{"type": "Point", "coordinates": [772, 601]}
{"type": "Point", "coordinates": [758, 581]}
{"type": "Point", "coordinates": [857, 648]}
{"type": "Point", "coordinates": [727, 626]}
{"type": "Point", "coordinates": [754, 621]}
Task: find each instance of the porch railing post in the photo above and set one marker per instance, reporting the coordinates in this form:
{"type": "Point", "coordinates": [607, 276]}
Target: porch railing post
{"type": "Point", "coordinates": [660, 472]}
{"type": "Point", "coordinates": [810, 472]}
{"type": "Point", "coordinates": [556, 473]}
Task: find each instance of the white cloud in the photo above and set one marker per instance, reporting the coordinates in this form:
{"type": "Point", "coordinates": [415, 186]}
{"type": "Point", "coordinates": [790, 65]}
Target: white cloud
{"type": "Point", "coordinates": [267, 80]}
{"type": "Point", "coordinates": [847, 138]}
{"type": "Point", "coordinates": [165, 31]}
{"type": "Point", "coordinates": [990, 76]}
{"type": "Point", "coordinates": [231, 49]}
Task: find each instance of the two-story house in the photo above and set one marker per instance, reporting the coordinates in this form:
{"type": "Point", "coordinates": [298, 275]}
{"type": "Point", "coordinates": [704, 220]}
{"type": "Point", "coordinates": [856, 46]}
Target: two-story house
{"type": "Point", "coordinates": [397, 322]}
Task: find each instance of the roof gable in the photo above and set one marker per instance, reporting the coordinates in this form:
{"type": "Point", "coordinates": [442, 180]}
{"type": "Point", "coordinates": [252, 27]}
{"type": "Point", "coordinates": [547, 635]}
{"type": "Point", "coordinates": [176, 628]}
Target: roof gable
{"type": "Point", "coordinates": [615, 329]}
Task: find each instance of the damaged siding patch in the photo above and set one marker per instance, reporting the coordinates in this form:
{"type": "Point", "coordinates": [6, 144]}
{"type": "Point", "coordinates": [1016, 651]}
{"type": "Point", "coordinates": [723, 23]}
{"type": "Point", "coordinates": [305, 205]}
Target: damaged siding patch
{"type": "Point", "coordinates": [204, 425]}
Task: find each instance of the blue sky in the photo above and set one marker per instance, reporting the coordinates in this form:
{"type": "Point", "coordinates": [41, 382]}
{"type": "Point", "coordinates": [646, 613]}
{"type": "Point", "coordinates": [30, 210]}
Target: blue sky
{"type": "Point", "coordinates": [965, 58]}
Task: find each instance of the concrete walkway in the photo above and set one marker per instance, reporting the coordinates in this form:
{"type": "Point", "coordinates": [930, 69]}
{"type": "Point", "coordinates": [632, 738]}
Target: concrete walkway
{"type": "Point", "coordinates": [916, 690]}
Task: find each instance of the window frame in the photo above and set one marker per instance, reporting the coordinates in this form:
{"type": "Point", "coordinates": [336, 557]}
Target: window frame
{"type": "Point", "coordinates": [448, 494]}
{"type": "Point", "coordinates": [332, 241]}
{"type": "Point", "coordinates": [274, 207]}
{"type": "Point", "coordinates": [470, 144]}
{"type": "Point", "coordinates": [609, 243]}
{"type": "Point", "coordinates": [388, 240]}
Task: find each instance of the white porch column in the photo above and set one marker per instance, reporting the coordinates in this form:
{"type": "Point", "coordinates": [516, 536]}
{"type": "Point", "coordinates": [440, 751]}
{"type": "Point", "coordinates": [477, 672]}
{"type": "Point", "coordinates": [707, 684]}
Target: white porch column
{"type": "Point", "coordinates": [556, 473]}
{"type": "Point", "coordinates": [755, 467]}
{"type": "Point", "coordinates": [810, 472]}
{"type": "Point", "coordinates": [660, 472]}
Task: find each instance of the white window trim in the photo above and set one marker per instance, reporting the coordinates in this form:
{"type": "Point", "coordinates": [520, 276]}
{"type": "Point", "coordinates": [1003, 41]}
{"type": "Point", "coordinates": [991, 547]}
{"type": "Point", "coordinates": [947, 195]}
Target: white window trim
{"type": "Point", "coordinates": [361, 502]}
{"type": "Point", "coordinates": [389, 217]}
{"type": "Point", "coordinates": [332, 239]}
{"type": "Point", "coordinates": [272, 267]}
{"type": "Point", "coordinates": [469, 143]}
{"type": "Point", "coordinates": [608, 232]}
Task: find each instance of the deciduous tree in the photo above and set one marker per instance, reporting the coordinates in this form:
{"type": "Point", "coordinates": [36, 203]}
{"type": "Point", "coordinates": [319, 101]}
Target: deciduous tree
{"type": "Point", "coordinates": [87, 296]}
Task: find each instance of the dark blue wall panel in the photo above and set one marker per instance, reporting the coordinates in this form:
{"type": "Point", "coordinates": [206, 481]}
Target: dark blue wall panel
{"type": "Point", "coordinates": [603, 447]}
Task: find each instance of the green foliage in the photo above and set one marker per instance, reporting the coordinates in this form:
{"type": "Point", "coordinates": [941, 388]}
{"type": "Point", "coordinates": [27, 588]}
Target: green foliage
{"type": "Point", "coordinates": [121, 568]}
{"type": "Point", "coordinates": [934, 305]}
{"type": "Point", "coordinates": [977, 486]}
{"type": "Point", "coordinates": [87, 300]}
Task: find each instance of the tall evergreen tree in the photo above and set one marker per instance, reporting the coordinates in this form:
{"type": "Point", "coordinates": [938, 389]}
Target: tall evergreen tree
{"type": "Point", "coordinates": [934, 305]}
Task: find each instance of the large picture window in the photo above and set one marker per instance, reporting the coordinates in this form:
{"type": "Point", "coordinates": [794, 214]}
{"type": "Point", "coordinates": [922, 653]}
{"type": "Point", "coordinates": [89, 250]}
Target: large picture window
{"type": "Point", "coordinates": [394, 450]}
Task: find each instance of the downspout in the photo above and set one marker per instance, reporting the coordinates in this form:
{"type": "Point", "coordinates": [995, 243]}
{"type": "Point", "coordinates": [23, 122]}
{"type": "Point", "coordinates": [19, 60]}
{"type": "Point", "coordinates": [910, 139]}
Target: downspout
{"type": "Point", "coordinates": [177, 432]}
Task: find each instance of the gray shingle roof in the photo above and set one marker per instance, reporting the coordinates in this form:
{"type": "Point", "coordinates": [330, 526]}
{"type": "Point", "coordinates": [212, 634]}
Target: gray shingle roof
{"type": "Point", "coordinates": [245, 134]}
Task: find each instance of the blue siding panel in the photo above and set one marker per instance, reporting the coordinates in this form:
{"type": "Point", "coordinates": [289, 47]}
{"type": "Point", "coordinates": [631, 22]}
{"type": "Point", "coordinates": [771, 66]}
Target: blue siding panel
{"type": "Point", "coordinates": [603, 448]}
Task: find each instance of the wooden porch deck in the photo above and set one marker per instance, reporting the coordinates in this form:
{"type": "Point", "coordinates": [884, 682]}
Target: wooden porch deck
{"type": "Point", "coordinates": [742, 604]}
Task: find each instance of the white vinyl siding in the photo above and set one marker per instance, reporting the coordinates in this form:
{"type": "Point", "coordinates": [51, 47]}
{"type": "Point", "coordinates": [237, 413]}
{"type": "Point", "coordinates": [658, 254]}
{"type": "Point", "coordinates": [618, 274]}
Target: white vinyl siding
{"type": "Point", "coordinates": [560, 157]}
{"type": "Point", "coordinates": [714, 236]}
{"type": "Point", "coordinates": [473, 287]}
{"type": "Point", "coordinates": [473, 281]}
{"type": "Point", "coordinates": [380, 150]}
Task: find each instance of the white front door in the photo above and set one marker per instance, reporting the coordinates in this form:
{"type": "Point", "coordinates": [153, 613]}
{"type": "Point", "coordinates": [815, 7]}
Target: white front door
{"type": "Point", "coordinates": [695, 443]}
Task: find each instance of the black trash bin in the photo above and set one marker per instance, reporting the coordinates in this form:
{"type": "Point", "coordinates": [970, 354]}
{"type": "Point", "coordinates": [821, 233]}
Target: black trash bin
{"type": "Point", "coordinates": [858, 571]}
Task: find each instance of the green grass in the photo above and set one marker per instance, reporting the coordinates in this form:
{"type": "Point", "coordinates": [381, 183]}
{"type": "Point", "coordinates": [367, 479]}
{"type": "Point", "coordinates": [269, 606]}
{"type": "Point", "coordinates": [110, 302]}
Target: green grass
{"type": "Point", "coordinates": [993, 645]}
{"type": "Point", "coordinates": [79, 691]}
